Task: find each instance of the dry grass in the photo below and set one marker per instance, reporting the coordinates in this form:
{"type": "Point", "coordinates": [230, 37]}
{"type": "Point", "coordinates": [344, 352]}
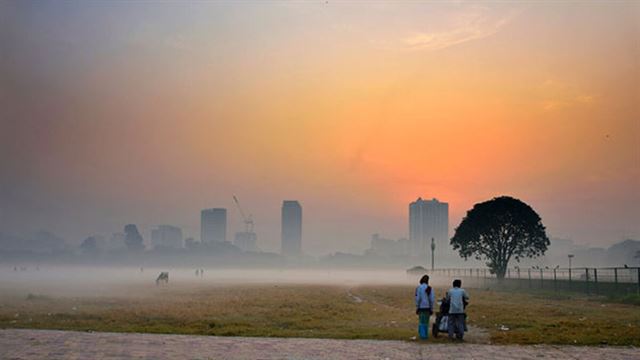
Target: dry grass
{"type": "Point", "coordinates": [560, 319]}
{"type": "Point", "coordinates": [282, 310]}
{"type": "Point", "coordinates": [321, 311]}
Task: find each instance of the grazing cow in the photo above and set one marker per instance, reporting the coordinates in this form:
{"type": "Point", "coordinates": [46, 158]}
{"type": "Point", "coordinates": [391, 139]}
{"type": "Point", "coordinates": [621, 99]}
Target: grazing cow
{"type": "Point", "coordinates": [163, 277]}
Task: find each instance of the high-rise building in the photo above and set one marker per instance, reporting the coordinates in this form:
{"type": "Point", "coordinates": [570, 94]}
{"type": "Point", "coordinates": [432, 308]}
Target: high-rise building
{"type": "Point", "coordinates": [167, 236]}
{"type": "Point", "coordinates": [429, 219]}
{"type": "Point", "coordinates": [291, 228]}
{"type": "Point", "coordinates": [213, 225]}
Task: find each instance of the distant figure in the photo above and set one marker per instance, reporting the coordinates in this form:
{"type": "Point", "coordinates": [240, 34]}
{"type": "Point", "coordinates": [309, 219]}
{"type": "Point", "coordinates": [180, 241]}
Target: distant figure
{"type": "Point", "coordinates": [197, 272]}
{"type": "Point", "coordinates": [15, 268]}
{"type": "Point", "coordinates": [163, 277]}
{"type": "Point", "coordinates": [141, 269]}
{"type": "Point", "coordinates": [424, 306]}
{"type": "Point", "coordinates": [458, 300]}
{"type": "Point", "coordinates": [201, 273]}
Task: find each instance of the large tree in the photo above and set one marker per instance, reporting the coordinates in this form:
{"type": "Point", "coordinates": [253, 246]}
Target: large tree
{"type": "Point", "coordinates": [499, 230]}
{"type": "Point", "coordinates": [133, 239]}
{"type": "Point", "coordinates": [89, 246]}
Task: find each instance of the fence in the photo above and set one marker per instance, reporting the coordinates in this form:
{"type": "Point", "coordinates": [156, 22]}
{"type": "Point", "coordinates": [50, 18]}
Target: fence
{"type": "Point", "coordinates": [616, 280]}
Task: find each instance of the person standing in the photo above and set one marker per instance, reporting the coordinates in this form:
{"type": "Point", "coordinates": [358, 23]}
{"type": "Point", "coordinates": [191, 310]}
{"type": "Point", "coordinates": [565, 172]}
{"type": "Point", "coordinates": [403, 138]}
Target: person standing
{"type": "Point", "coordinates": [424, 306]}
{"type": "Point", "coordinates": [458, 300]}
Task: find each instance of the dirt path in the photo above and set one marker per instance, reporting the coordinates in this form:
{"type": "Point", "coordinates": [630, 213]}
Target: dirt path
{"type": "Point", "coordinates": [52, 344]}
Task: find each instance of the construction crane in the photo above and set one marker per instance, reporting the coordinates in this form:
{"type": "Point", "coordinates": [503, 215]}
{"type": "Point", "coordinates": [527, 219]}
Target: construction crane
{"type": "Point", "coordinates": [248, 220]}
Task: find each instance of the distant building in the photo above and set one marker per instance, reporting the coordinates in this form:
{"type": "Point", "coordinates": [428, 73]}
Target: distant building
{"type": "Point", "coordinates": [246, 241]}
{"type": "Point", "coordinates": [190, 243]}
{"type": "Point", "coordinates": [167, 236]}
{"type": "Point", "coordinates": [116, 241]}
{"type": "Point", "coordinates": [213, 225]}
{"type": "Point", "coordinates": [388, 247]}
{"type": "Point", "coordinates": [429, 219]}
{"type": "Point", "coordinates": [291, 228]}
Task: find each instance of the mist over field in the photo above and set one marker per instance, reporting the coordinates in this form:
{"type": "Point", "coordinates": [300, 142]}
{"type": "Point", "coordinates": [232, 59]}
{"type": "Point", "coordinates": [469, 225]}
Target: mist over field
{"type": "Point", "coordinates": [105, 281]}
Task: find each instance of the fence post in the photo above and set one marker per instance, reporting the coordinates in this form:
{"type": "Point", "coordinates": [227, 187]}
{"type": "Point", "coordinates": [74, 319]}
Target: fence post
{"type": "Point", "coordinates": [586, 282]}
{"type": "Point", "coordinates": [529, 271]}
{"type": "Point", "coordinates": [615, 277]}
{"type": "Point", "coordinates": [570, 287]}
{"type": "Point", "coordinates": [541, 279]}
{"type": "Point", "coordinates": [595, 279]}
{"type": "Point", "coordinates": [555, 280]}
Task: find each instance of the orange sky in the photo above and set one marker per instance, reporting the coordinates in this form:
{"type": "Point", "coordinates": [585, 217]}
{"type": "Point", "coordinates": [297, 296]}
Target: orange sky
{"type": "Point", "coordinates": [146, 113]}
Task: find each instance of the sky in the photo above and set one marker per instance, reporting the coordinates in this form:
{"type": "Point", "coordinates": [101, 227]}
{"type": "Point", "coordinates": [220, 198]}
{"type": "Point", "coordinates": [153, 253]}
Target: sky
{"type": "Point", "coordinates": [147, 112]}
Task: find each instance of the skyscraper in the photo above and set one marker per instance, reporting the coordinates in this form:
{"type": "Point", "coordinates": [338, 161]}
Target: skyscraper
{"type": "Point", "coordinates": [291, 228]}
{"type": "Point", "coordinates": [167, 236]}
{"type": "Point", "coordinates": [213, 225]}
{"type": "Point", "coordinates": [429, 219]}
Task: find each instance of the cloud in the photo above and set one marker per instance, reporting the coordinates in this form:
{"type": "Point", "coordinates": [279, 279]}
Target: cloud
{"type": "Point", "coordinates": [560, 95]}
{"type": "Point", "coordinates": [585, 99]}
{"type": "Point", "coordinates": [473, 24]}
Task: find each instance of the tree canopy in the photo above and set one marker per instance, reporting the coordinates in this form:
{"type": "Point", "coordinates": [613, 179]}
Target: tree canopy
{"type": "Point", "coordinates": [499, 230]}
{"type": "Point", "coordinates": [89, 245]}
{"type": "Point", "coordinates": [133, 239]}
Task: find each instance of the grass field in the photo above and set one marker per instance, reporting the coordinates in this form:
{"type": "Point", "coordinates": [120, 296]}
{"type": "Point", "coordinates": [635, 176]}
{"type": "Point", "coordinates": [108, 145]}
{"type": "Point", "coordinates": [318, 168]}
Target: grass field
{"type": "Point", "coordinates": [288, 310]}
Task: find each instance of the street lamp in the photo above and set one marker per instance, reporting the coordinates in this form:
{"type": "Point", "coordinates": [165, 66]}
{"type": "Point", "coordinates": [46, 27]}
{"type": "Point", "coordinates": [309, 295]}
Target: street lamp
{"type": "Point", "coordinates": [433, 249]}
{"type": "Point", "coordinates": [570, 256]}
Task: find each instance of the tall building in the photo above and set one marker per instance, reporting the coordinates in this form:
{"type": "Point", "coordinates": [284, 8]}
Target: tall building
{"type": "Point", "coordinates": [429, 219]}
{"type": "Point", "coordinates": [167, 236]}
{"type": "Point", "coordinates": [213, 225]}
{"type": "Point", "coordinates": [291, 228]}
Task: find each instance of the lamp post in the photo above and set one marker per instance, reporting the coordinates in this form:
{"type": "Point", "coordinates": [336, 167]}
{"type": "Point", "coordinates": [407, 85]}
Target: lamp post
{"type": "Point", "coordinates": [570, 256]}
{"type": "Point", "coordinates": [433, 249]}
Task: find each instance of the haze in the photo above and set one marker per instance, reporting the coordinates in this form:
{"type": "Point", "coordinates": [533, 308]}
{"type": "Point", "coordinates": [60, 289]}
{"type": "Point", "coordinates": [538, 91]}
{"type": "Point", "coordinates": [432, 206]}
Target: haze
{"type": "Point", "coordinates": [134, 112]}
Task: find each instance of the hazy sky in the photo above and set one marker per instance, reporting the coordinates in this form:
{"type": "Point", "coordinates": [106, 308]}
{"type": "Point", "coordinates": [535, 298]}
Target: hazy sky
{"type": "Point", "coordinates": [138, 112]}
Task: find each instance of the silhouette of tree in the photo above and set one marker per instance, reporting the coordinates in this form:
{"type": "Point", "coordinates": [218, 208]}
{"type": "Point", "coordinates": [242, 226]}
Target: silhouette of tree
{"type": "Point", "coordinates": [133, 239]}
{"type": "Point", "coordinates": [498, 230]}
{"type": "Point", "coordinates": [89, 246]}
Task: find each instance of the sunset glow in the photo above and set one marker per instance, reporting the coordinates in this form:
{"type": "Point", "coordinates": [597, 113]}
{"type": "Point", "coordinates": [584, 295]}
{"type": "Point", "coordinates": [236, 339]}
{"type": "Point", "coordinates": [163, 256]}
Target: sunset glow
{"type": "Point", "coordinates": [116, 113]}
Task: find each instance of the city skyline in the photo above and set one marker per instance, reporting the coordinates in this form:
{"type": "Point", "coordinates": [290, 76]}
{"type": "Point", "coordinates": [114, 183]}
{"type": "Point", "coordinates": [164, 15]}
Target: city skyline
{"type": "Point", "coordinates": [133, 112]}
